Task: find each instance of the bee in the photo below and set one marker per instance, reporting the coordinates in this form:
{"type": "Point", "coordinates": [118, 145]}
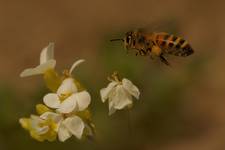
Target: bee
{"type": "Point", "coordinates": [156, 44]}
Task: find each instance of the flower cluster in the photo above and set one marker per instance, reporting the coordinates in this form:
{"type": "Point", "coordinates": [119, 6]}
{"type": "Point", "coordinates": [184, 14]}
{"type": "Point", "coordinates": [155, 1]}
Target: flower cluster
{"type": "Point", "coordinates": [65, 110]}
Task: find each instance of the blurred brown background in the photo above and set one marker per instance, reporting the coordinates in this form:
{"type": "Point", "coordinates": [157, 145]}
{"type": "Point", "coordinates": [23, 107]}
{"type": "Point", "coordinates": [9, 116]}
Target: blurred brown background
{"type": "Point", "coordinates": [182, 107]}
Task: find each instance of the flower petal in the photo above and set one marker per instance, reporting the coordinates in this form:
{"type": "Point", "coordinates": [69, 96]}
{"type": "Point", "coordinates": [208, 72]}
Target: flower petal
{"type": "Point", "coordinates": [105, 92]}
{"type": "Point", "coordinates": [67, 87]}
{"type": "Point", "coordinates": [75, 64]}
{"type": "Point", "coordinates": [63, 133]}
{"type": "Point", "coordinates": [35, 120]}
{"type": "Point", "coordinates": [42, 130]}
{"type": "Point", "coordinates": [111, 108]}
{"type": "Point", "coordinates": [50, 64]}
{"type": "Point", "coordinates": [47, 53]}
{"type": "Point", "coordinates": [131, 88]}
{"type": "Point", "coordinates": [53, 116]}
{"type": "Point", "coordinates": [29, 72]}
{"type": "Point", "coordinates": [35, 125]}
{"type": "Point", "coordinates": [83, 99]}
{"type": "Point", "coordinates": [120, 98]}
{"type": "Point", "coordinates": [52, 100]}
{"type": "Point", "coordinates": [39, 69]}
{"type": "Point", "coordinates": [68, 105]}
{"type": "Point", "coordinates": [25, 123]}
{"type": "Point", "coordinates": [75, 125]}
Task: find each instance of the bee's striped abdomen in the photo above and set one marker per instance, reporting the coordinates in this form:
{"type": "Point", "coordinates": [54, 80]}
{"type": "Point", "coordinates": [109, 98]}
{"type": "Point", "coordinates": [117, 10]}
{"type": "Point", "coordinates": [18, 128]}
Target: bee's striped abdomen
{"type": "Point", "coordinates": [173, 45]}
{"type": "Point", "coordinates": [186, 50]}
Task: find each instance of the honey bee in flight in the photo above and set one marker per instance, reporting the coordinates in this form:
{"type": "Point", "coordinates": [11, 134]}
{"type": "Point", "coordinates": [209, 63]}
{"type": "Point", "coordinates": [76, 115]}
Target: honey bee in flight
{"type": "Point", "coordinates": [156, 44]}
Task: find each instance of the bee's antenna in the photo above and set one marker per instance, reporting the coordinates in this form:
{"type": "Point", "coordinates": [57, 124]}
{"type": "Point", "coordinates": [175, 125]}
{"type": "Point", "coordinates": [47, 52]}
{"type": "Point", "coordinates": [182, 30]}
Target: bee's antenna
{"type": "Point", "coordinates": [117, 40]}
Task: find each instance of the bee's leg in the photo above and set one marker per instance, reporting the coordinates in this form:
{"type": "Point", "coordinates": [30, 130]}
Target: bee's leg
{"type": "Point", "coordinates": [142, 52]}
{"type": "Point", "coordinates": [149, 52]}
{"type": "Point", "coordinates": [137, 53]}
{"type": "Point", "coordinates": [164, 60]}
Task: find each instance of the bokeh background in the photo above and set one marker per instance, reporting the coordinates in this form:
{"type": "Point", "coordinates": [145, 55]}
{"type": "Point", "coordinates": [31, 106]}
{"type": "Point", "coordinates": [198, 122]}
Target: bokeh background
{"type": "Point", "coordinates": [181, 107]}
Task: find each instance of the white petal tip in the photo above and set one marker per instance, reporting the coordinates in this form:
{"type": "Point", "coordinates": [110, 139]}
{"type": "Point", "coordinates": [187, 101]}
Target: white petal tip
{"type": "Point", "coordinates": [83, 100]}
{"type": "Point", "coordinates": [51, 100]}
{"type": "Point", "coordinates": [77, 63]}
{"type": "Point", "coordinates": [47, 53]}
{"type": "Point", "coordinates": [105, 92]}
{"type": "Point", "coordinates": [29, 72]}
{"type": "Point", "coordinates": [41, 69]}
{"type": "Point", "coordinates": [131, 88]}
{"type": "Point", "coordinates": [75, 125]}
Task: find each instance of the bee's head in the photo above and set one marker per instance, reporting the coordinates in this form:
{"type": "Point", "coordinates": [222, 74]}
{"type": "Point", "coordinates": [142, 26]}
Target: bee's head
{"type": "Point", "coordinates": [128, 39]}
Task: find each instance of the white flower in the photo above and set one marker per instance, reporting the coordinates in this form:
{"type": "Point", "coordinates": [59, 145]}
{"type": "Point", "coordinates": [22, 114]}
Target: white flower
{"type": "Point", "coordinates": [47, 62]}
{"type": "Point", "coordinates": [119, 94]}
{"type": "Point", "coordinates": [44, 127]}
{"type": "Point", "coordinates": [35, 124]}
{"type": "Point", "coordinates": [71, 126]}
{"type": "Point", "coordinates": [57, 118]}
{"type": "Point", "coordinates": [67, 127]}
{"type": "Point", "coordinates": [67, 98]}
{"type": "Point", "coordinates": [49, 124]}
